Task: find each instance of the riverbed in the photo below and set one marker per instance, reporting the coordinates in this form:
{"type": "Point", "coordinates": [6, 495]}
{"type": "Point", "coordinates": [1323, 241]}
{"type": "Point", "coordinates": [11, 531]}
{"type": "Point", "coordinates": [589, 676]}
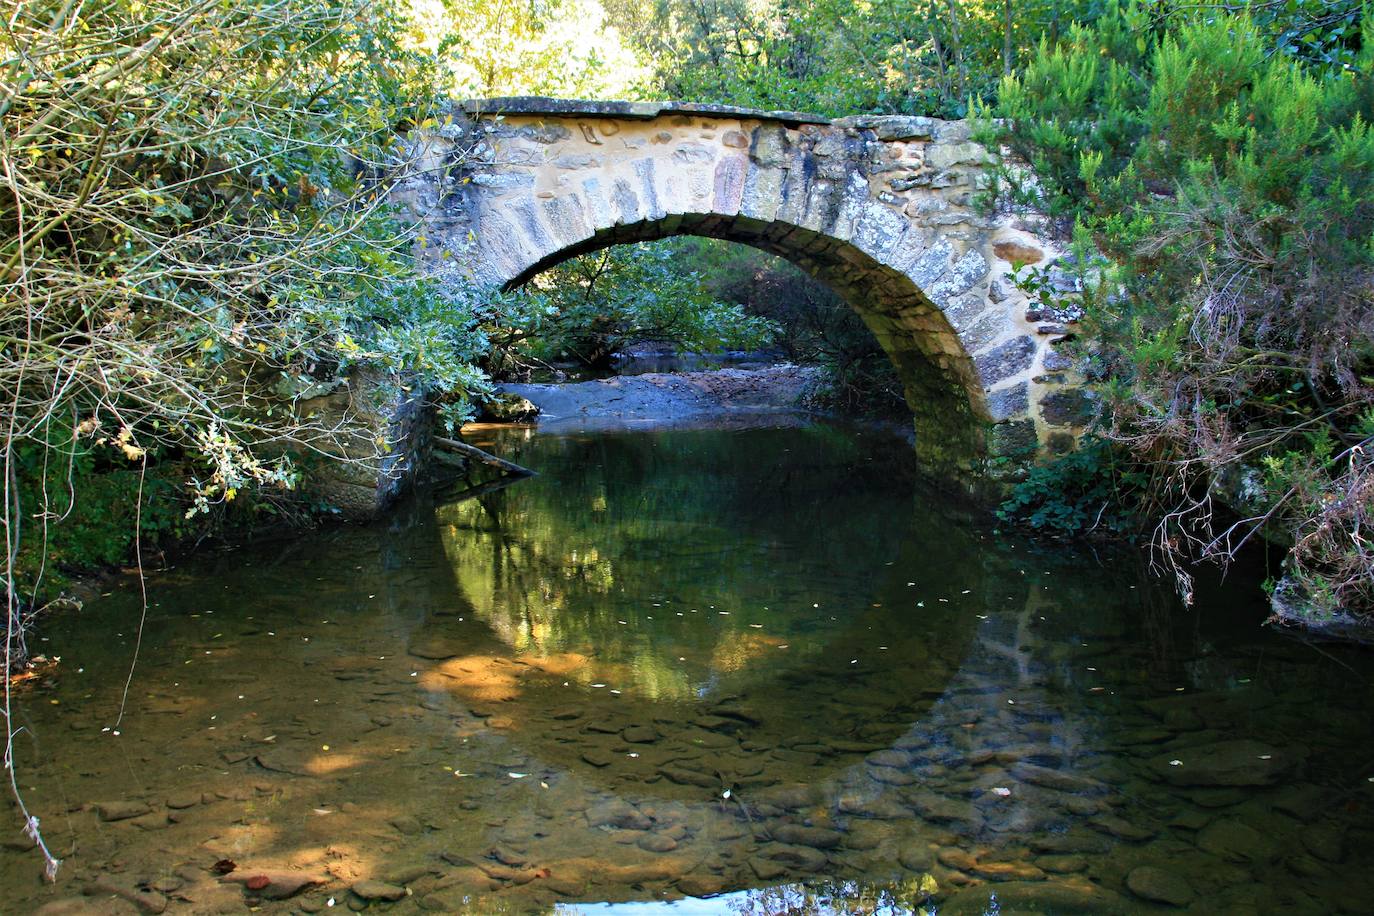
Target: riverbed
{"type": "Point", "coordinates": [753, 669]}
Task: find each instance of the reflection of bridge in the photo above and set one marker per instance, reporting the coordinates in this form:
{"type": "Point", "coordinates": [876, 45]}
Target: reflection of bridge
{"type": "Point", "coordinates": [883, 209]}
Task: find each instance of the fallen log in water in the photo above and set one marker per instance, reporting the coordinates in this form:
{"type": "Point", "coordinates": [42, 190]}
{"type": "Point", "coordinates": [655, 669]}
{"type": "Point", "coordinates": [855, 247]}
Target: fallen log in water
{"type": "Point", "coordinates": [475, 453]}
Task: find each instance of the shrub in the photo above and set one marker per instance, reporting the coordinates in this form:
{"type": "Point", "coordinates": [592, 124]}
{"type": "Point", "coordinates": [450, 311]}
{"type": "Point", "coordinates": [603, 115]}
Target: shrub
{"type": "Point", "coordinates": [1231, 183]}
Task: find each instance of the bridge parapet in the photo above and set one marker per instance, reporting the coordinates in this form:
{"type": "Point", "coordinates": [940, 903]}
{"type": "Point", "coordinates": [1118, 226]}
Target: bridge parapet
{"type": "Point", "coordinates": [884, 209]}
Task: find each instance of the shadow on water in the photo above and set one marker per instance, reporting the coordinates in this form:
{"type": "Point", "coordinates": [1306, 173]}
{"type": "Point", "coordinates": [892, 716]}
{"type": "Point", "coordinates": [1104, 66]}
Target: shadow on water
{"type": "Point", "coordinates": [758, 666]}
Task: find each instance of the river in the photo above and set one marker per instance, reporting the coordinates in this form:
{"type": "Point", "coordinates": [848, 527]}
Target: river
{"type": "Point", "coordinates": [756, 670]}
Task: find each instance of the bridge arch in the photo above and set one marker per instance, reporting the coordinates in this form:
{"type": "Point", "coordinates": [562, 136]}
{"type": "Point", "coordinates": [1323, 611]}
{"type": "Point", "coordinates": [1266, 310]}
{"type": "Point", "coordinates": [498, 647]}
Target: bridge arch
{"type": "Point", "coordinates": [881, 209]}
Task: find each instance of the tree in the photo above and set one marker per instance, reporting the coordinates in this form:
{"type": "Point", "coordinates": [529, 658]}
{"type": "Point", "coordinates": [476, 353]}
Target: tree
{"type": "Point", "coordinates": [490, 48]}
{"type": "Point", "coordinates": [193, 229]}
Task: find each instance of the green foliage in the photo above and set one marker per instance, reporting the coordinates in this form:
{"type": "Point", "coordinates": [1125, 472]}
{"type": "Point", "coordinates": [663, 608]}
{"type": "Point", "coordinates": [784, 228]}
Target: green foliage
{"type": "Point", "coordinates": [193, 233]}
{"type": "Point", "coordinates": [591, 308]}
{"type": "Point", "coordinates": [836, 57]}
{"type": "Point", "coordinates": [1223, 165]}
{"type": "Point", "coordinates": [89, 505]}
{"type": "Point", "coordinates": [1074, 495]}
{"type": "Point", "coordinates": [565, 48]}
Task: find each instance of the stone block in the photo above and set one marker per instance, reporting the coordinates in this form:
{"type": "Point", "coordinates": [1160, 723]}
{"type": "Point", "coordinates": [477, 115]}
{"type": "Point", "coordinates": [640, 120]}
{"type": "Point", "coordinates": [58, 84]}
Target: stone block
{"type": "Point", "coordinates": [1006, 361]}
{"type": "Point", "coordinates": [879, 230]}
{"type": "Point", "coordinates": [648, 189]}
{"type": "Point", "coordinates": [1067, 407]}
{"type": "Point", "coordinates": [762, 190]}
{"type": "Point", "coordinates": [1015, 438]}
{"type": "Point", "coordinates": [600, 213]}
{"type": "Point", "coordinates": [627, 204]}
{"type": "Point", "coordinates": [567, 218]}
{"type": "Point", "coordinates": [894, 127]}
{"type": "Point", "coordinates": [967, 271]}
{"type": "Point", "coordinates": [822, 205]}
{"type": "Point", "coordinates": [770, 146]}
{"type": "Point", "coordinates": [944, 155]}
{"type": "Point", "coordinates": [1008, 403]}
{"type": "Point", "coordinates": [932, 264]}
{"type": "Point", "coordinates": [728, 185]}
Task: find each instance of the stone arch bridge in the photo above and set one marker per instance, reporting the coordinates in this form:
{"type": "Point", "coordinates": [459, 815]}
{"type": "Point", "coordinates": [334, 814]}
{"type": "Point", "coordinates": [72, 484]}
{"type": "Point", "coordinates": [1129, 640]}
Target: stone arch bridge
{"type": "Point", "coordinates": [881, 208]}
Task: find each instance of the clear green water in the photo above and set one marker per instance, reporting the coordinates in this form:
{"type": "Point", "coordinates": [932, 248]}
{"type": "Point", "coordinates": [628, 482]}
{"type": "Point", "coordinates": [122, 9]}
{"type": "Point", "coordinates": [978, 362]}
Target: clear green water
{"type": "Point", "coordinates": [756, 666]}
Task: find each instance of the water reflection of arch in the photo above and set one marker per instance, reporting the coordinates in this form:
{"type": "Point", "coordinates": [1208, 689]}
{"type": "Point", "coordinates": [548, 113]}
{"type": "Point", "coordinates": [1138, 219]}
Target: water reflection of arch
{"type": "Point", "coordinates": [550, 584]}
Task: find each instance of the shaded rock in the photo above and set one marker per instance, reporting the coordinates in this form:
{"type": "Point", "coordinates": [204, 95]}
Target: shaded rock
{"type": "Point", "coordinates": [121, 810]}
{"type": "Point", "coordinates": [717, 723]}
{"type": "Point", "coordinates": [1071, 407]}
{"type": "Point", "coordinates": [499, 872]}
{"type": "Point", "coordinates": [157, 820]}
{"type": "Point", "coordinates": [942, 809]}
{"type": "Point", "coordinates": [1307, 867]}
{"type": "Point", "coordinates": [880, 808]}
{"type": "Point", "coordinates": [1007, 402]}
{"type": "Point", "coordinates": [639, 734]}
{"type": "Point", "coordinates": [291, 760]}
{"type": "Point", "coordinates": [957, 859]}
{"type": "Point", "coordinates": [1008, 871]}
{"type": "Point", "coordinates": [1325, 841]}
{"type": "Point", "coordinates": [146, 901]}
{"type": "Point", "coordinates": [378, 890]}
{"type": "Point", "coordinates": [597, 758]}
{"type": "Point", "coordinates": [183, 801]}
{"type": "Point", "coordinates": [789, 796]}
{"type": "Point", "coordinates": [407, 824]}
{"type": "Point", "coordinates": [565, 887]}
{"type": "Point", "coordinates": [802, 858]}
{"type": "Point", "coordinates": [1004, 361]}
{"type": "Point", "coordinates": [916, 857]}
{"type": "Point", "coordinates": [1121, 828]}
{"type": "Point", "coordinates": [1062, 865]}
{"type": "Point", "coordinates": [1058, 779]}
{"type": "Point", "coordinates": [1236, 841]}
{"type": "Point", "coordinates": [800, 758]}
{"type": "Point", "coordinates": [1190, 819]}
{"type": "Point", "coordinates": [685, 777]}
{"type": "Point", "coordinates": [502, 854]}
{"type": "Point", "coordinates": [1303, 802]}
{"type": "Point", "coordinates": [891, 777]}
{"type": "Point", "coordinates": [868, 834]}
{"type": "Point", "coordinates": [1216, 798]}
{"type": "Point", "coordinates": [655, 842]}
{"type": "Point", "coordinates": [767, 870]}
{"type": "Point", "coordinates": [505, 407]}
{"type": "Point", "coordinates": [1066, 843]}
{"type": "Point", "coordinates": [850, 746]}
{"type": "Point", "coordinates": [409, 875]}
{"type": "Point", "coordinates": [889, 758]}
{"type": "Point", "coordinates": [279, 885]}
{"type": "Point", "coordinates": [702, 885]}
{"type": "Point", "coordinates": [1075, 895]}
{"type": "Point", "coordinates": [1159, 886]}
{"type": "Point", "coordinates": [818, 837]}
{"type": "Point", "coordinates": [617, 813]}
{"type": "Point", "coordinates": [1226, 763]}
